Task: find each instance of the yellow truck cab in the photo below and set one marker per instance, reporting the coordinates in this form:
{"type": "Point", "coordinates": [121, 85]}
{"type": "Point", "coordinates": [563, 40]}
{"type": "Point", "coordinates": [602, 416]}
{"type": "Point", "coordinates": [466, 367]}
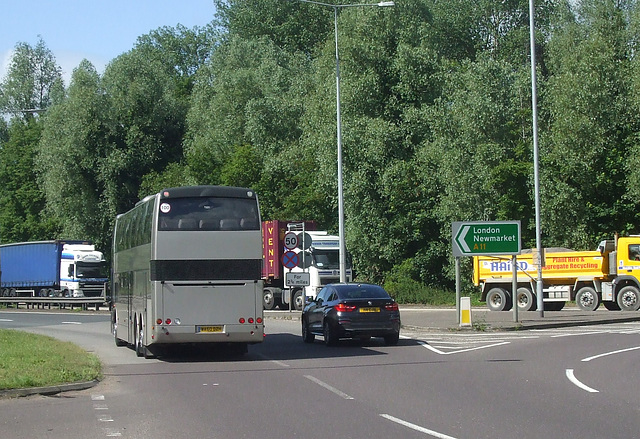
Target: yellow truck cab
{"type": "Point", "coordinates": [609, 275]}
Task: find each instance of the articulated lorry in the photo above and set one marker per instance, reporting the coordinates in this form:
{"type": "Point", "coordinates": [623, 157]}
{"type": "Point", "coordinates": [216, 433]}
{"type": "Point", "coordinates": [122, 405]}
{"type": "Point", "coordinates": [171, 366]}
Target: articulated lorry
{"type": "Point", "coordinates": [321, 259]}
{"type": "Point", "coordinates": [52, 269]}
{"type": "Point", "coordinates": [609, 275]}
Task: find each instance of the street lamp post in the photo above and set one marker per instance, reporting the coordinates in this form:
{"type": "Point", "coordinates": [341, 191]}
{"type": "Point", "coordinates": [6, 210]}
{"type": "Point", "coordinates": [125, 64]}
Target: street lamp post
{"type": "Point", "coordinates": [341, 233]}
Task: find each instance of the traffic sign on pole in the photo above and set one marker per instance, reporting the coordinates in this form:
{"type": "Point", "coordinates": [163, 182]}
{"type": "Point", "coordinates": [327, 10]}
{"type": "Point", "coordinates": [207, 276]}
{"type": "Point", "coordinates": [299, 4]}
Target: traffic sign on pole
{"type": "Point", "coordinates": [290, 259]}
{"type": "Point", "coordinates": [486, 238]}
{"type": "Point", "coordinates": [290, 240]}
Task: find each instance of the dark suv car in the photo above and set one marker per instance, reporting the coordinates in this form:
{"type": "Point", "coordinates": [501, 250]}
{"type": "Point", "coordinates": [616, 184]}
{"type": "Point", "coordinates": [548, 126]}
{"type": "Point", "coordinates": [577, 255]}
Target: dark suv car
{"type": "Point", "coordinates": [351, 310]}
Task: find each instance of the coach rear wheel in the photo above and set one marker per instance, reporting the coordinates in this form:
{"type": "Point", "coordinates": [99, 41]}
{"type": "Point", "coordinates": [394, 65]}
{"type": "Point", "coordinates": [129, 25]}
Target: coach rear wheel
{"type": "Point", "coordinates": [139, 340]}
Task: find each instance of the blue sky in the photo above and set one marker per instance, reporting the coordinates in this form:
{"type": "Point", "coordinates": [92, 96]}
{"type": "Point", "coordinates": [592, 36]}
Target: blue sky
{"type": "Point", "coordinates": [96, 30]}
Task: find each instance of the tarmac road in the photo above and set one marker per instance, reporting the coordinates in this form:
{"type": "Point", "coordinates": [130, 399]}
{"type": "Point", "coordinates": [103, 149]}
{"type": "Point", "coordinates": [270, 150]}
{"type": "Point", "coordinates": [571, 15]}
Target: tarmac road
{"type": "Point", "coordinates": [429, 319]}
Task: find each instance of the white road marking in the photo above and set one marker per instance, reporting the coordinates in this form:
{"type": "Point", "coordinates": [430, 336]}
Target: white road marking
{"type": "Point", "coordinates": [71, 323]}
{"type": "Point", "coordinates": [416, 427]}
{"type": "Point", "coordinates": [328, 387]}
{"type": "Point", "coordinates": [579, 333]}
{"type": "Point", "coordinates": [437, 351]}
{"type": "Point", "coordinates": [610, 353]}
{"type": "Point", "coordinates": [575, 381]}
{"type": "Point", "coordinates": [278, 362]}
{"type": "Point", "coordinates": [6, 320]}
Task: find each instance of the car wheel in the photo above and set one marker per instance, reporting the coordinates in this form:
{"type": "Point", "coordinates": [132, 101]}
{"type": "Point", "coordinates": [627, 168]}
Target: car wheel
{"type": "Point", "coordinates": [307, 336]}
{"type": "Point", "coordinates": [330, 337]}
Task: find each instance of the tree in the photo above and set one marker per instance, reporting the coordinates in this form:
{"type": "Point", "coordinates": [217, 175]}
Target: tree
{"type": "Point", "coordinates": [185, 50]}
{"type": "Point", "coordinates": [22, 216]}
{"type": "Point", "coordinates": [290, 25]}
{"type": "Point", "coordinates": [33, 80]}
{"type": "Point", "coordinates": [587, 99]}
{"type": "Point", "coordinates": [76, 132]}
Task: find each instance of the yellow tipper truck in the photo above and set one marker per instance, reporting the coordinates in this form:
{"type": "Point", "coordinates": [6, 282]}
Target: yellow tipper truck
{"type": "Point", "coordinates": [609, 275]}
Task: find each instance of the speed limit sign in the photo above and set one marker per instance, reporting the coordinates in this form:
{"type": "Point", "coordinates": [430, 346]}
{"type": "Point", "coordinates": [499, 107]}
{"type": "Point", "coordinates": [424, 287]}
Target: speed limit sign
{"type": "Point", "coordinates": [290, 240]}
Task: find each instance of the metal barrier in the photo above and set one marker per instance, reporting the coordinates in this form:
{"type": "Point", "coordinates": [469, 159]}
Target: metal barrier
{"type": "Point", "coordinates": [59, 302]}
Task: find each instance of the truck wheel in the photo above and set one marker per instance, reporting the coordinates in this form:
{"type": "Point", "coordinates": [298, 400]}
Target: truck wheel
{"type": "Point", "coordinates": [629, 298]}
{"type": "Point", "coordinates": [587, 299]}
{"type": "Point", "coordinates": [296, 300]}
{"type": "Point", "coordinates": [525, 299]}
{"type": "Point", "coordinates": [268, 301]}
{"type": "Point", "coordinates": [498, 300]}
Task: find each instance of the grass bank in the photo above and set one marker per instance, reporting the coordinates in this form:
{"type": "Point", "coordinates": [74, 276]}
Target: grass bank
{"type": "Point", "coordinates": [30, 360]}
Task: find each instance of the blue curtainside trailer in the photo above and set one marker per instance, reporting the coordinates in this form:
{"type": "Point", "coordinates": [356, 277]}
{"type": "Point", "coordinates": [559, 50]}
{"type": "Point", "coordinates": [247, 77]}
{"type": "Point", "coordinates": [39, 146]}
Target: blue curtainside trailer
{"type": "Point", "coordinates": [52, 268]}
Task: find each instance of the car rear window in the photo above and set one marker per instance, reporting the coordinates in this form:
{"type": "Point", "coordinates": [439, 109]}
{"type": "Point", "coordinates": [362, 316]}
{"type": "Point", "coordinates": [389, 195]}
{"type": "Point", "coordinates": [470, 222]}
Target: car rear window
{"type": "Point", "coordinates": [364, 292]}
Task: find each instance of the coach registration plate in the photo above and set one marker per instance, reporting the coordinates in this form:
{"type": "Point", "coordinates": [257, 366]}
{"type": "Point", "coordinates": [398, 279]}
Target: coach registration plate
{"type": "Point", "coordinates": [208, 328]}
{"type": "Point", "coordinates": [376, 309]}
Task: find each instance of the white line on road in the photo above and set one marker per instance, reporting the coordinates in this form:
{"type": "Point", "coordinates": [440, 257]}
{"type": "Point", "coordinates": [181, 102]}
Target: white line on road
{"type": "Point", "coordinates": [328, 387]}
{"type": "Point", "coordinates": [575, 381]}
{"type": "Point", "coordinates": [610, 353]}
{"type": "Point", "coordinates": [579, 333]}
{"type": "Point", "coordinates": [437, 351]}
{"type": "Point", "coordinates": [6, 320]}
{"type": "Point", "coordinates": [278, 362]}
{"type": "Point", "coordinates": [71, 323]}
{"type": "Point", "coordinates": [416, 427]}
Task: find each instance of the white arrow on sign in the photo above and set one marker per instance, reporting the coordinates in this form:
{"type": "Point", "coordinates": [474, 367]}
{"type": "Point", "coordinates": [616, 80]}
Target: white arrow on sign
{"type": "Point", "coordinates": [460, 239]}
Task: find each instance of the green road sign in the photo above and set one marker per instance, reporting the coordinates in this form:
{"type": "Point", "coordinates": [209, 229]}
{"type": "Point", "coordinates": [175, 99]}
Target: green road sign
{"type": "Point", "coordinates": [486, 238]}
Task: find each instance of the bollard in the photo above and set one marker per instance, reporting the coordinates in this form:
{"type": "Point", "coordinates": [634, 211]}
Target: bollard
{"type": "Point", "coordinates": [465, 311]}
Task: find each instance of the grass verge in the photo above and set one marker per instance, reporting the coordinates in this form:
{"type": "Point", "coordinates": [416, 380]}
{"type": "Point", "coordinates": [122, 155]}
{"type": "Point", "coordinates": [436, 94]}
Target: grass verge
{"type": "Point", "coordinates": [30, 360]}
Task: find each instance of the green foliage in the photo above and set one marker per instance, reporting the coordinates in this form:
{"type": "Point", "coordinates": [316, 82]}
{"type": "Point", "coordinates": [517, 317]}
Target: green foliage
{"type": "Point", "coordinates": [436, 126]}
{"type": "Point", "coordinates": [22, 201]}
{"type": "Point", "coordinates": [33, 80]}
{"type": "Point", "coordinates": [404, 289]}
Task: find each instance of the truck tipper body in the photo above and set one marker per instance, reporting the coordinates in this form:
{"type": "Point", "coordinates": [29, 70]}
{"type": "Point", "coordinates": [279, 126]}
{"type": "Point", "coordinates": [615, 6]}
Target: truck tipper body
{"type": "Point", "coordinates": [52, 269]}
{"type": "Point", "coordinates": [322, 261]}
{"type": "Point", "coordinates": [609, 275]}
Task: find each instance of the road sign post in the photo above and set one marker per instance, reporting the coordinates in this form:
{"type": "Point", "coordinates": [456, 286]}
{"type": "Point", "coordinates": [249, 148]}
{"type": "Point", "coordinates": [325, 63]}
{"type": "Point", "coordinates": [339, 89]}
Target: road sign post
{"type": "Point", "coordinates": [486, 238]}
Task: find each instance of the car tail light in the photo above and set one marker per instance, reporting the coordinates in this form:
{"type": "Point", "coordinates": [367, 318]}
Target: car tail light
{"type": "Point", "coordinates": [259, 320]}
{"type": "Point", "coordinates": [241, 320]}
{"type": "Point", "coordinates": [391, 306]}
{"type": "Point", "coordinates": [343, 307]}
